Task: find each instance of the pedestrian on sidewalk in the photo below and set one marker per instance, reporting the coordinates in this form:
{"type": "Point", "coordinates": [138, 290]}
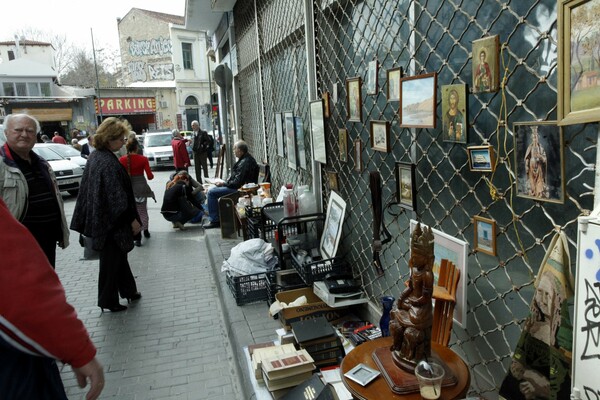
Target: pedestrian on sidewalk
{"type": "Point", "coordinates": [136, 165]}
{"type": "Point", "coordinates": [38, 327]}
{"type": "Point", "coordinates": [58, 139]}
{"type": "Point", "coordinates": [200, 148]}
{"type": "Point", "coordinates": [181, 158]}
{"type": "Point", "coordinates": [105, 211]}
{"type": "Point", "coordinates": [179, 202]}
{"type": "Point", "coordinates": [29, 187]}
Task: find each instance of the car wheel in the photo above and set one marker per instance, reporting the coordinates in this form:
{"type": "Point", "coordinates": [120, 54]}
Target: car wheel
{"type": "Point", "coordinates": [73, 192]}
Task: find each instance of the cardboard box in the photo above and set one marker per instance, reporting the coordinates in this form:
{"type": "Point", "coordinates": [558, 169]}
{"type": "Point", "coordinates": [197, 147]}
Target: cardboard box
{"type": "Point", "coordinates": [314, 308]}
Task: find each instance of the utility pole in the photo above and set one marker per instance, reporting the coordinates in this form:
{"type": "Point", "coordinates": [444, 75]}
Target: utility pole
{"type": "Point", "coordinates": [97, 78]}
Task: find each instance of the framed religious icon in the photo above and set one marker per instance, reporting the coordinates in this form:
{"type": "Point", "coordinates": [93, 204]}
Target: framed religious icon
{"type": "Point", "coordinates": [343, 143]}
{"type": "Point", "coordinates": [332, 177]}
{"type": "Point", "coordinates": [539, 166]}
{"type": "Point", "coordinates": [290, 139]}
{"type": "Point", "coordinates": [380, 136]}
{"type": "Point", "coordinates": [372, 70]}
{"type": "Point", "coordinates": [486, 64]}
{"type": "Point", "coordinates": [406, 188]}
{"type": "Point", "coordinates": [353, 99]}
{"type": "Point", "coordinates": [418, 96]}
{"type": "Point", "coordinates": [485, 235]}
{"type": "Point", "coordinates": [279, 132]}
{"type": "Point", "coordinates": [393, 81]}
{"type": "Point", "coordinates": [578, 41]}
{"type": "Point", "coordinates": [317, 129]}
{"type": "Point", "coordinates": [326, 105]}
{"type": "Point", "coordinates": [454, 113]}
{"type": "Point", "coordinates": [358, 155]}
{"type": "Point", "coordinates": [481, 158]}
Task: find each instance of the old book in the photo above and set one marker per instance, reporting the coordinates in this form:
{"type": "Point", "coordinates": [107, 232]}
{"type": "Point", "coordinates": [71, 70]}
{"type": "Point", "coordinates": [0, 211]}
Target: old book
{"type": "Point", "coordinates": [261, 353]}
{"type": "Point", "coordinates": [329, 343]}
{"type": "Point", "coordinates": [287, 382]}
{"type": "Point", "coordinates": [312, 388]}
{"type": "Point", "coordinates": [312, 330]}
{"type": "Point", "coordinates": [334, 353]}
{"type": "Point", "coordinates": [286, 365]}
{"type": "Point", "coordinates": [252, 347]}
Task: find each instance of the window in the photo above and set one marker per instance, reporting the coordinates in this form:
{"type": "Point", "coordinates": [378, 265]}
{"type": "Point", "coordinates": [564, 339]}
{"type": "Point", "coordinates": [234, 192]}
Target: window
{"type": "Point", "coordinates": [45, 88]}
{"type": "Point", "coordinates": [21, 88]}
{"type": "Point", "coordinates": [34, 89]}
{"type": "Point", "coordinates": [186, 51]}
{"type": "Point", "coordinates": [11, 55]}
{"type": "Point", "coordinates": [9, 88]}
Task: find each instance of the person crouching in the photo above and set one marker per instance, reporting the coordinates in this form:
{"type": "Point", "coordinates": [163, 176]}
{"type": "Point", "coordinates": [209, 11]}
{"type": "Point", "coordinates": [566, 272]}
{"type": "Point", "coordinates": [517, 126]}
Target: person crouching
{"type": "Point", "coordinates": [178, 202]}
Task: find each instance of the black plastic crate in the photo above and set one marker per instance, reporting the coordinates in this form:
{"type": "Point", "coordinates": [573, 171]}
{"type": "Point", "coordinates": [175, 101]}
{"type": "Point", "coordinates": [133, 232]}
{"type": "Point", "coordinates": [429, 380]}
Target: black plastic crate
{"type": "Point", "coordinates": [318, 270]}
{"type": "Point", "coordinates": [253, 212]}
{"type": "Point", "coordinates": [253, 228]}
{"type": "Point", "coordinates": [248, 288]}
{"type": "Point", "coordinates": [283, 280]}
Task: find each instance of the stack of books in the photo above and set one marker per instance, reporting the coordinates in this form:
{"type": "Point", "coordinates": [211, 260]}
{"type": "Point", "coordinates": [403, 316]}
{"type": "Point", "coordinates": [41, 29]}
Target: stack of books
{"type": "Point", "coordinates": [287, 370]}
{"type": "Point", "coordinates": [260, 353]}
{"type": "Point", "coordinates": [320, 339]}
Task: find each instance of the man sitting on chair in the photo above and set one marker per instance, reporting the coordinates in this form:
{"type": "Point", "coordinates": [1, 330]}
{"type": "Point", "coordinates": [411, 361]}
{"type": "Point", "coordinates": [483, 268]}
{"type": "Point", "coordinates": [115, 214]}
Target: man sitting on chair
{"type": "Point", "coordinates": [245, 170]}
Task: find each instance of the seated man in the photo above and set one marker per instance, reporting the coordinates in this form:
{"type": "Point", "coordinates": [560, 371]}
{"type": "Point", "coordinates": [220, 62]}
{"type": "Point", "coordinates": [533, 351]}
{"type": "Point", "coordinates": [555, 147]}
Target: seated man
{"type": "Point", "coordinates": [180, 203]}
{"type": "Point", "coordinates": [245, 170]}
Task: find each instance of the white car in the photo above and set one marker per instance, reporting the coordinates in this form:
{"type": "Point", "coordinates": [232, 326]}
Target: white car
{"type": "Point", "coordinates": [68, 174]}
{"type": "Point", "coordinates": [157, 147]}
{"type": "Point", "coordinates": [66, 151]}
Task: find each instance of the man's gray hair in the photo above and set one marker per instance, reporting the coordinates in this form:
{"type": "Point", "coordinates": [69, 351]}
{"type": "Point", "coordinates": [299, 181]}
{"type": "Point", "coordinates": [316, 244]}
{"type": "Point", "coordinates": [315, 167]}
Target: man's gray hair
{"type": "Point", "coordinates": [9, 117]}
{"type": "Point", "coordinates": [175, 132]}
{"type": "Point", "coordinates": [243, 146]}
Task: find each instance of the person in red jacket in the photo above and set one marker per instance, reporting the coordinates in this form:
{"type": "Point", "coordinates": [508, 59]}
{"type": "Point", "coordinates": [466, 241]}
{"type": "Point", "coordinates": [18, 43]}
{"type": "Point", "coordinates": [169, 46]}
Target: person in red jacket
{"type": "Point", "coordinates": [181, 158]}
{"type": "Point", "coordinates": [58, 139]}
{"type": "Point", "coordinates": [37, 325]}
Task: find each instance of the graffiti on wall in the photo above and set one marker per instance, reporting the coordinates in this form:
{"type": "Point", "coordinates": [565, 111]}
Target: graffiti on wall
{"type": "Point", "coordinates": [140, 71]}
{"type": "Point", "coordinates": [151, 47]}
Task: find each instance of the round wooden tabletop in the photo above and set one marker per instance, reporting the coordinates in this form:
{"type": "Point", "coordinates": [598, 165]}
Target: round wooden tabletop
{"type": "Point", "coordinates": [379, 389]}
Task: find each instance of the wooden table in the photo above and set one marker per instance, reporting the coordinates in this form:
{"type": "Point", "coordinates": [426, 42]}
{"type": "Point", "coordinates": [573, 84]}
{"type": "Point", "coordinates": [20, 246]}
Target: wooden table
{"type": "Point", "coordinates": [379, 388]}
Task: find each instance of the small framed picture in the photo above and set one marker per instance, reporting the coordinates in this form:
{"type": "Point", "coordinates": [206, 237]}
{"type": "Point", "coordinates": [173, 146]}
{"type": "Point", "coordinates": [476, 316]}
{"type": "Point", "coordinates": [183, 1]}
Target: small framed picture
{"type": "Point", "coordinates": [393, 80]}
{"type": "Point", "coordinates": [290, 139]}
{"type": "Point", "coordinates": [454, 113]}
{"type": "Point", "coordinates": [279, 131]}
{"type": "Point", "coordinates": [362, 374]}
{"type": "Point", "coordinates": [343, 143]}
{"type": "Point", "coordinates": [332, 177]}
{"type": "Point", "coordinates": [317, 128]}
{"type": "Point", "coordinates": [418, 100]}
{"type": "Point", "coordinates": [486, 64]}
{"type": "Point", "coordinates": [372, 77]}
{"type": "Point", "coordinates": [326, 105]}
{"type": "Point", "coordinates": [481, 158]}
{"type": "Point", "coordinates": [358, 155]}
{"type": "Point", "coordinates": [380, 136]}
{"type": "Point", "coordinates": [539, 166]}
{"type": "Point", "coordinates": [485, 235]}
{"type": "Point", "coordinates": [406, 190]}
{"type": "Point", "coordinates": [353, 99]}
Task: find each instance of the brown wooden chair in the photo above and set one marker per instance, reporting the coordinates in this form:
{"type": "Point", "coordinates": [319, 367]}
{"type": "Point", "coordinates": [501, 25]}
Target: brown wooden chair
{"type": "Point", "coordinates": [220, 162]}
{"type": "Point", "coordinates": [444, 294]}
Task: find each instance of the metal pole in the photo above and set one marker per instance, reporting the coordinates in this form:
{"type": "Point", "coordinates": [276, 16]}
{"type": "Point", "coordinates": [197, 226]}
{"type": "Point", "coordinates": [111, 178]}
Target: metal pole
{"type": "Point", "coordinates": [97, 79]}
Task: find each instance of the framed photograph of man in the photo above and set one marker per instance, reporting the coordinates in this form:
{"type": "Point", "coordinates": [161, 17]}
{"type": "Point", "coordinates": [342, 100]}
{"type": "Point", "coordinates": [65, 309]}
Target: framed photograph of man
{"type": "Point", "coordinates": [372, 77]}
{"type": "Point", "coordinates": [406, 190]}
{"type": "Point", "coordinates": [290, 139]}
{"type": "Point", "coordinates": [454, 113]}
{"type": "Point", "coordinates": [358, 155]}
{"type": "Point", "coordinates": [393, 81]}
{"type": "Point", "coordinates": [418, 97]}
{"type": "Point", "coordinates": [481, 158]}
{"type": "Point", "coordinates": [353, 99]}
{"type": "Point", "coordinates": [485, 235]}
{"type": "Point", "coordinates": [343, 144]}
{"type": "Point", "coordinates": [539, 166]}
{"type": "Point", "coordinates": [380, 136]}
{"type": "Point", "coordinates": [578, 43]}
{"type": "Point", "coordinates": [486, 64]}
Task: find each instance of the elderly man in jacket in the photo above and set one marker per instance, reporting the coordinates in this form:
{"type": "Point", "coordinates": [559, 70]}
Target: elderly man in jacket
{"type": "Point", "coordinates": [245, 170]}
{"type": "Point", "coordinates": [29, 187]}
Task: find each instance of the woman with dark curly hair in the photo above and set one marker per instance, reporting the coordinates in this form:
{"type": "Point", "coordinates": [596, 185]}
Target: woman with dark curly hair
{"type": "Point", "coordinates": [105, 212]}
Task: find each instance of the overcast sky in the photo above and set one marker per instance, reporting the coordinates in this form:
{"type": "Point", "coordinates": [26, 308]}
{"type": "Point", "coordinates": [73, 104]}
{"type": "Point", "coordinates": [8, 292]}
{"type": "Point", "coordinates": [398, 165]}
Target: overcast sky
{"type": "Point", "coordinates": [76, 18]}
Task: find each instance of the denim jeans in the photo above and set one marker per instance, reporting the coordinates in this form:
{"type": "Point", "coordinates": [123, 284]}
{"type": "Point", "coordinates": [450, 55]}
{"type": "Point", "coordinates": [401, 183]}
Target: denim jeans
{"type": "Point", "coordinates": [213, 196]}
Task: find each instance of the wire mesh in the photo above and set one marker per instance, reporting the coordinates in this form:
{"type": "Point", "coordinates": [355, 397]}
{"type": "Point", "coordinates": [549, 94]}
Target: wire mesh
{"type": "Point", "coordinates": [424, 37]}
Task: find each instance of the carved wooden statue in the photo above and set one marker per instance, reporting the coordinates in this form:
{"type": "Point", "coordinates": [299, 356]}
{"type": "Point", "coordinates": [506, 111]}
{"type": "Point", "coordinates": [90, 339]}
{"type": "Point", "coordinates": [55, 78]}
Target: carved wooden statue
{"type": "Point", "coordinates": [412, 316]}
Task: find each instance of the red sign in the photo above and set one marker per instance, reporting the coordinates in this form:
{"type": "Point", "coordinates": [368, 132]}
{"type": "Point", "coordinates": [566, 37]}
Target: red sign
{"type": "Point", "coordinates": [126, 105]}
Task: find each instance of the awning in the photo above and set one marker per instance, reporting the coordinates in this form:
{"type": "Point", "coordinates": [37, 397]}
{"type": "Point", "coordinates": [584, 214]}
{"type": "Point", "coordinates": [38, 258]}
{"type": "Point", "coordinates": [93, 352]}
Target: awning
{"type": "Point", "coordinates": [47, 114]}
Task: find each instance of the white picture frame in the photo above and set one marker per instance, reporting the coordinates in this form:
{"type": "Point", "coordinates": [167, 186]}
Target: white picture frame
{"type": "Point", "coordinates": [362, 374]}
{"type": "Point", "coordinates": [332, 231]}
{"type": "Point", "coordinates": [455, 250]}
{"type": "Point", "coordinates": [317, 129]}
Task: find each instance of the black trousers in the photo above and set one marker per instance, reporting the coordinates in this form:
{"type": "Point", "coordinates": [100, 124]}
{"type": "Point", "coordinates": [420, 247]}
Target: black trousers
{"type": "Point", "coordinates": [115, 275]}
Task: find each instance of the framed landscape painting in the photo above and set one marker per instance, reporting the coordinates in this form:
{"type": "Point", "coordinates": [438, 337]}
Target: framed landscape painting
{"type": "Point", "coordinates": [485, 235]}
{"type": "Point", "coordinates": [406, 191]}
{"type": "Point", "coordinates": [380, 136]}
{"type": "Point", "coordinates": [417, 101]}
{"type": "Point", "coordinates": [481, 158]}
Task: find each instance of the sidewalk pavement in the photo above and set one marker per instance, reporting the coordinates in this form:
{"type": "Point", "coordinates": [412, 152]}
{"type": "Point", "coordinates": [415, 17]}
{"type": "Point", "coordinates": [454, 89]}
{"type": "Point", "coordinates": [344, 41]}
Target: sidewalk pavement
{"type": "Point", "coordinates": [185, 338]}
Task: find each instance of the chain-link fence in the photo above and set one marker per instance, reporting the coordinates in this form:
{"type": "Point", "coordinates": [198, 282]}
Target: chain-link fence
{"type": "Point", "coordinates": [425, 37]}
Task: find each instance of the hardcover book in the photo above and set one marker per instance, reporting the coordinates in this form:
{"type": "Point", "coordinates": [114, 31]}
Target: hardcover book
{"type": "Point", "coordinates": [260, 354]}
{"type": "Point", "coordinates": [312, 388]}
{"type": "Point", "coordinates": [309, 331]}
{"type": "Point", "coordinates": [282, 383]}
{"type": "Point", "coordinates": [286, 365]}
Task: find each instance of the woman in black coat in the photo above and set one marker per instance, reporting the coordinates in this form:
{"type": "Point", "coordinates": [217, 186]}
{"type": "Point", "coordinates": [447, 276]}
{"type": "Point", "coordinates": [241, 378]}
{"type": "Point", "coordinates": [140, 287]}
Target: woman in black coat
{"type": "Point", "coordinates": [180, 203]}
{"type": "Point", "coordinates": [105, 212]}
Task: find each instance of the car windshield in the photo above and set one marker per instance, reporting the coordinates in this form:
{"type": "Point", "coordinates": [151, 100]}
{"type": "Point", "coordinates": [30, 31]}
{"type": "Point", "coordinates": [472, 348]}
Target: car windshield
{"type": "Point", "coordinates": [65, 150]}
{"type": "Point", "coordinates": [46, 153]}
{"type": "Point", "coordinates": [158, 140]}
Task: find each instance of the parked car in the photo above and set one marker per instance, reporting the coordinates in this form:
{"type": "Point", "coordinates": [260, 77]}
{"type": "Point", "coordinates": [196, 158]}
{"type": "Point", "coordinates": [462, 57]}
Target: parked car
{"type": "Point", "coordinates": [157, 147]}
{"type": "Point", "coordinates": [68, 174]}
{"type": "Point", "coordinates": [66, 151]}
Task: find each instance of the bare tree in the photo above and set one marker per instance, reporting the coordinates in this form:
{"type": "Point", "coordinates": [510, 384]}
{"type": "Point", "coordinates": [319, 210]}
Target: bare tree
{"type": "Point", "coordinates": [83, 71]}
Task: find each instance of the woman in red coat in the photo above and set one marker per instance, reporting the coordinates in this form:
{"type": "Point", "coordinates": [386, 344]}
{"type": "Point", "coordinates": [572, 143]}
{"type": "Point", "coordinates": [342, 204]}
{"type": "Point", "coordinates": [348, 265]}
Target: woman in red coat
{"type": "Point", "coordinates": [136, 164]}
